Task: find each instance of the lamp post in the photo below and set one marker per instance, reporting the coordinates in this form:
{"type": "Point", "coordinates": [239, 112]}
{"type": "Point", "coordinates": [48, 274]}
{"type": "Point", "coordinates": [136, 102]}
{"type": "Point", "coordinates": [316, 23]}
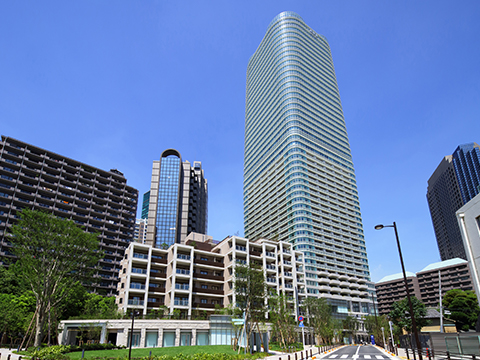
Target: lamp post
{"type": "Point", "coordinates": [414, 323]}
{"type": "Point", "coordinates": [134, 313]}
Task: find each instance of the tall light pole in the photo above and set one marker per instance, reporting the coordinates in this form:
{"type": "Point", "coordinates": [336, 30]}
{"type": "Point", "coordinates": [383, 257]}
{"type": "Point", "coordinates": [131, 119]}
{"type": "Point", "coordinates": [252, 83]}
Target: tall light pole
{"type": "Point", "coordinates": [414, 323]}
{"type": "Point", "coordinates": [134, 313]}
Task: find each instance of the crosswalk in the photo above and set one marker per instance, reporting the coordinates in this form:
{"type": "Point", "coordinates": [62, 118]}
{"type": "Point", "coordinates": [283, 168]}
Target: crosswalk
{"type": "Point", "coordinates": [367, 357]}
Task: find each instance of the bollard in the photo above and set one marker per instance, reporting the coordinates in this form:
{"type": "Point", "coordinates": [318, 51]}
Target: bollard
{"type": "Point", "coordinates": [473, 356]}
{"type": "Point", "coordinates": [288, 356]}
{"type": "Point", "coordinates": [20, 357]}
{"type": "Point", "coordinates": [406, 350]}
{"type": "Point", "coordinates": [83, 353]}
{"type": "Point", "coordinates": [414, 357]}
{"type": "Point", "coordinates": [448, 355]}
{"type": "Point", "coordinates": [8, 357]}
{"type": "Point", "coordinates": [296, 356]}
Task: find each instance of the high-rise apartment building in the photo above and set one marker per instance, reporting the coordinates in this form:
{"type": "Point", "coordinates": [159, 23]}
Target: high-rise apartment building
{"type": "Point", "coordinates": [97, 200]}
{"type": "Point", "coordinates": [178, 200]}
{"type": "Point", "coordinates": [455, 182]}
{"type": "Point", "coordinates": [299, 178]}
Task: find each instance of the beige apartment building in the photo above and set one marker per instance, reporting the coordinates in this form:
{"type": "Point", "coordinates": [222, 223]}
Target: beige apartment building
{"type": "Point", "coordinates": [198, 276]}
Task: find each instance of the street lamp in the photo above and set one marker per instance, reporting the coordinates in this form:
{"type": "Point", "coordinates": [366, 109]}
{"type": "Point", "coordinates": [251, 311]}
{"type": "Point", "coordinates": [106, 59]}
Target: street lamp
{"type": "Point", "coordinates": [414, 323]}
{"type": "Point", "coordinates": [134, 313]}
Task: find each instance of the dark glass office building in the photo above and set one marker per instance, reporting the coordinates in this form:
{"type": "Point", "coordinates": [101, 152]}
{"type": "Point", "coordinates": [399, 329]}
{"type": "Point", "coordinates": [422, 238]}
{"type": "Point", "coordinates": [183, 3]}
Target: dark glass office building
{"type": "Point", "coordinates": [180, 194]}
{"type": "Point", "coordinates": [454, 183]}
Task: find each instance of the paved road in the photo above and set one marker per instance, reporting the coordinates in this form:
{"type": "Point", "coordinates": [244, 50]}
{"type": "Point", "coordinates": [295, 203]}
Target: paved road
{"type": "Point", "coordinates": [358, 353]}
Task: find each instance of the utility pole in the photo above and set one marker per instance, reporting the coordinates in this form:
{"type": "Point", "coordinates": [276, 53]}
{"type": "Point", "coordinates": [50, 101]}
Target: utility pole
{"type": "Point", "coordinates": [440, 295]}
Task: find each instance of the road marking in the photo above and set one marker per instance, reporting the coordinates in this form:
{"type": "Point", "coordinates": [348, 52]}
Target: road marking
{"type": "Point", "coordinates": [355, 356]}
{"type": "Point", "coordinates": [367, 356]}
{"type": "Point", "coordinates": [343, 356]}
{"type": "Point", "coordinates": [380, 357]}
{"type": "Point", "coordinates": [333, 356]}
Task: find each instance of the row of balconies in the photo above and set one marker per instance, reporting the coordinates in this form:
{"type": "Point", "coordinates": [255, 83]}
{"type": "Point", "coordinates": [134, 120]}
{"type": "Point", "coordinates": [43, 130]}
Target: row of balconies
{"type": "Point", "coordinates": [71, 168]}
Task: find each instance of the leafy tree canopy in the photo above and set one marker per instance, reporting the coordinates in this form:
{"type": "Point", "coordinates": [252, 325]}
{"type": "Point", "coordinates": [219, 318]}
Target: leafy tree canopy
{"type": "Point", "coordinates": [53, 255]}
{"type": "Point", "coordinates": [463, 306]}
{"type": "Point", "coordinates": [400, 314]}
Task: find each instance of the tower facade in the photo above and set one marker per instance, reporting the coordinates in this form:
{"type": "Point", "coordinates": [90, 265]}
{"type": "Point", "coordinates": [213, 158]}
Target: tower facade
{"type": "Point", "coordinates": [454, 182]}
{"type": "Point", "coordinates": [299, 179]}
{"type": "Point", "coordinates": [178, 200]}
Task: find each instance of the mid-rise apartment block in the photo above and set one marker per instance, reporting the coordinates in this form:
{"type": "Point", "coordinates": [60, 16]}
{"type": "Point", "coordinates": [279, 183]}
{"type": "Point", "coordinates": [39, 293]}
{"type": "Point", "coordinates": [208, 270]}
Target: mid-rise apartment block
{"type": "Point", "coordinates": [99, 201]}
{"type": "Point", "coordinates": [454, 183]}
{"type": "Point", "coordinates": [392, 288]}
{"type": "Point", "coordinates": [425, 284]}
{"type": "Point", "coordinates": [299, 178]}
{"type": "Point", "coordinates": [198, 275]}
{"type": "Point", "coordinates": [178, 200]}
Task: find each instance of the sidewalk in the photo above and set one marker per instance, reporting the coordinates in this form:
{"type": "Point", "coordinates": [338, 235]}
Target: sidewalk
{"type": "Point", "coordinates": [305, 354]}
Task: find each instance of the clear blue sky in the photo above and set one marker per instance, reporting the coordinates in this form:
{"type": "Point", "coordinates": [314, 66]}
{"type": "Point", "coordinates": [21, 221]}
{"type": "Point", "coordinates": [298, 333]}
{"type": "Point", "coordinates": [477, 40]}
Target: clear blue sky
{"type": "Point", "coordinates": [114, 83]}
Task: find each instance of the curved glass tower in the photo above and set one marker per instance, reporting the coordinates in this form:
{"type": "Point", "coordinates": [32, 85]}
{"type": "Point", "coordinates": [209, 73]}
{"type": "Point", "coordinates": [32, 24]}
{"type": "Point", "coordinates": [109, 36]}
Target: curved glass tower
{"type": "Point", "coordinates": [299, 179]}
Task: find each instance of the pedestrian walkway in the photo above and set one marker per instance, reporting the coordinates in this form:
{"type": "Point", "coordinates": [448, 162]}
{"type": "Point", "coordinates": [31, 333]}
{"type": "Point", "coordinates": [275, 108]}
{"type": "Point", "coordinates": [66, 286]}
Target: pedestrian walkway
{"type": "Point", "coordinates": [305, 354]}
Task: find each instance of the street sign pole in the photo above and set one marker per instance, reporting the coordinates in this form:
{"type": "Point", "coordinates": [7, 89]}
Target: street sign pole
{"type": "Point", "coordinates": [303, 337]}
{"type": "Point", "coordinates": [300, 318]}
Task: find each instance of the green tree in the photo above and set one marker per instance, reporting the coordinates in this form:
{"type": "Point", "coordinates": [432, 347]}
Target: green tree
{"type": "Point", "coordinates": [53, 255]}
{"type": "Point", "coordinates": [373, 325]}
{"type": "Point", "coordinates": [400, 314]}
{"type": "Point", "coordinates": [350, 326]}
{"type": "Point", "coordinates": [463, 306]}
{"type": "Point", "coordinates": [319, 317]}
{"type": "Point", "coordinates": [280, 316]}
{"type": "Point", "coordinates": [250, 294]}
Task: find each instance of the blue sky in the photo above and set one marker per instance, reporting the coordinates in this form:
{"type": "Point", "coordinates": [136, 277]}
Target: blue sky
{"type": "Point", "coordinates": [114, 83]}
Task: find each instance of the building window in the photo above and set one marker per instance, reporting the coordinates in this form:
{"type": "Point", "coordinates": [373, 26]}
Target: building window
{"type": "Point", "coordinates": [203, 272]}
{"type": "Point", "coordinates": [204, 287]}
{"type": "Point", "coordinates": [203, 301]}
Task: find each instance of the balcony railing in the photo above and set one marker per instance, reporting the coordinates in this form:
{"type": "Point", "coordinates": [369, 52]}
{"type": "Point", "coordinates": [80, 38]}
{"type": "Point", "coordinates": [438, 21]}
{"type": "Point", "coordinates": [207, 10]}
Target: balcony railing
{"type": "Point", "coordinates": [181, 302]}
{"type": "Point", "coordinates": [139, 271]}
{"type": "Point", "coordinates": [136, 302]}
{"type": "Point", "coordinates": [182, 286]}
{"type": "Point", "coordinates": [240, 248]}
{"type": "Point", "coordinates": [270, 254]}
{"type": "Point", "coordinates": [140, 256]}
{"type": "Point", "coordinates": [183, 272]}
{"type": "Point", "coordinates": [271, 280]}
{"type": "Point", "coordinates": [183, 257]}
{"type": "Point", "coordinates": [137, 286]}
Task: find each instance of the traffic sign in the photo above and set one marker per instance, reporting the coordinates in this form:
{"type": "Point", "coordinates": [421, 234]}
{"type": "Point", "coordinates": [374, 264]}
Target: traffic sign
{"type": "Point", "coordinates": [301, 324]}
{"type": "Point", "coordinates": [238, 321]}
{"type": "Point", "coordinates": [300, 318]}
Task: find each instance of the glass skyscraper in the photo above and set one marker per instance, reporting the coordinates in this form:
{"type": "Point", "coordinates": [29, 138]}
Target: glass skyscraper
{"type": "Point", "coordinates": [454, 183]}
{"type": "Point", "coordinates": [179, 195]}
{"type": "Point", "coordinates": [299, 179]}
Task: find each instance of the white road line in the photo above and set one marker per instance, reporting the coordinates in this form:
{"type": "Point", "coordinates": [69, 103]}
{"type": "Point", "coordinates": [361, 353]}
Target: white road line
{"type": "Point", "coordinates": [367, 356]}
{"type": "Point", "coordinates": [379, 357]}
{"type": "Point", "coordinates": [356, 353]}
{"type": "Point", "coordinates": [343, 356]}
{"type": "Point", "coordinates": [333, 356]}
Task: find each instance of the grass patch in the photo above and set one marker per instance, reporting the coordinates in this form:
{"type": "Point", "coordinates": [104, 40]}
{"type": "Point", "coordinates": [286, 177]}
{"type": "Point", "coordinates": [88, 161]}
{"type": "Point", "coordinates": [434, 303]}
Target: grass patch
{"type": "Point", "coordinates": [143, 352]}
